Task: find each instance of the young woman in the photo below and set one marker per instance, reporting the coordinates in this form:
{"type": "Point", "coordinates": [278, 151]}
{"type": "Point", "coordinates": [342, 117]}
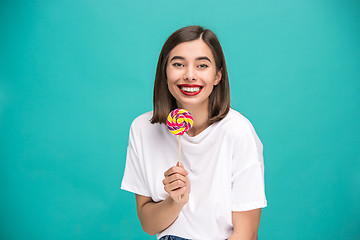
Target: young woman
{"type": "Point", "coordinates": [218, 190]}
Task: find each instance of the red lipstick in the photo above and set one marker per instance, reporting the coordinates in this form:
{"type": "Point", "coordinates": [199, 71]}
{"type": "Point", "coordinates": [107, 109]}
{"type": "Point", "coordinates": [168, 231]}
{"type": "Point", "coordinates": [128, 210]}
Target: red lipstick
{"type": "Point", "coordinates": [190, 89]}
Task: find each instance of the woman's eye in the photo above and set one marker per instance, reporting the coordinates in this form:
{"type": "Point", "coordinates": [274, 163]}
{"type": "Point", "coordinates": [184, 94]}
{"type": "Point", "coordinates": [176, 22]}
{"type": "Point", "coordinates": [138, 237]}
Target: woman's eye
{"type": "Point", "coordinates": [203, 66]}
{"type": "Point", "coordinates": [177, 65]}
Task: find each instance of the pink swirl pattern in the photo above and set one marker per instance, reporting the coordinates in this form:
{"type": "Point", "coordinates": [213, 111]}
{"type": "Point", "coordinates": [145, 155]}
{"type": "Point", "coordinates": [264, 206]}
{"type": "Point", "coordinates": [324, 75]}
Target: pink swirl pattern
{"type": "Point", "coordinates": [179, 121]}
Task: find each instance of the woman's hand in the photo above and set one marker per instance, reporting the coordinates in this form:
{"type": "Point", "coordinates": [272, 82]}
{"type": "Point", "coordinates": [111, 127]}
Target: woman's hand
{"type": "Point", "coordinates": [177, 184]}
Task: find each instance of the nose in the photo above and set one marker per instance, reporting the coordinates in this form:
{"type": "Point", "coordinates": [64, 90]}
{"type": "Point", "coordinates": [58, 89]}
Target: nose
{"type": "Point", "coordinates": [190, 74]}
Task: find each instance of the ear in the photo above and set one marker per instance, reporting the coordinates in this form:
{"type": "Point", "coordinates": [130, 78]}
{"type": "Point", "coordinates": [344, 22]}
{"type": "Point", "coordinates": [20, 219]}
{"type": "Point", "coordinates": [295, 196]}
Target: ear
{"type": "Point", "coordinates": [218, 77]}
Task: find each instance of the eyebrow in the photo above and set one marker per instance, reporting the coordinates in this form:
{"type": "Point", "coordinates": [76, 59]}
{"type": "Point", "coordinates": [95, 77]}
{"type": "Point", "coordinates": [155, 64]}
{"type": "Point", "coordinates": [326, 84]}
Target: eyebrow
{"type": "Point", "coordinates": [182, 58]}
{"type": "Point", "coordinates": [203, 58]}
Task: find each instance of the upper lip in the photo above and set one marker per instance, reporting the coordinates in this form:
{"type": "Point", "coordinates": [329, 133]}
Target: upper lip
{"type": "Point", "coordinates": [189, 85]}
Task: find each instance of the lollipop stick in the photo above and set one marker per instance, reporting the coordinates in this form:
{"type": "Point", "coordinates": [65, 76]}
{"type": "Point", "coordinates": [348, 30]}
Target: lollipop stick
{"type": "Point", "coordinates": [179, 150]}
{"type": "Point", "coordinates": [179, 156]}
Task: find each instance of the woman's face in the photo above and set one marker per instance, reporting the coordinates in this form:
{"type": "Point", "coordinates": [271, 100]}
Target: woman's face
{"type": "Point", "coordinates": [191, 74]}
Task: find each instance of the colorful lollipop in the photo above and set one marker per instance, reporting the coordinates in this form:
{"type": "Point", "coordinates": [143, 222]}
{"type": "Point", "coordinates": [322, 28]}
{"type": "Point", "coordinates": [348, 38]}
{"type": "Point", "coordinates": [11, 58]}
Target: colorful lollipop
{"type": "Point", "coordinates": [179, 122]}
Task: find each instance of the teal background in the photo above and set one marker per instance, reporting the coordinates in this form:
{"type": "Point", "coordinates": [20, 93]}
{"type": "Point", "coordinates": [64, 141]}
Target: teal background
{"type": "Point", "coordinates": [74, 74]}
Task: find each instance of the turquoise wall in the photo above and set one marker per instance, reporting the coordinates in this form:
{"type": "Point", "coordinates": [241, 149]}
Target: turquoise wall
{"type": "Point", "coordinates": [74, 74]}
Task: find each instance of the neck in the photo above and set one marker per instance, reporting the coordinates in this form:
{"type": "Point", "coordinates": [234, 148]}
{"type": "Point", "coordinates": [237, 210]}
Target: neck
{"type": "Point", "coordinates": [200, 115]}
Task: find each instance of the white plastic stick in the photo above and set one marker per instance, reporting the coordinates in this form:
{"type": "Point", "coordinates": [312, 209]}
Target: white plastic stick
{"type": "Point", "coordinates": [179, 150]}
{"type": "Point", "coordinates": [179, 157]}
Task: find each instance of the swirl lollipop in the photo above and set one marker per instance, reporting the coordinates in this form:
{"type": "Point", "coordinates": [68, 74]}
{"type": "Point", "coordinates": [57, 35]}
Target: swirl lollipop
{"type": "Point", "coordinates": [179, 122]}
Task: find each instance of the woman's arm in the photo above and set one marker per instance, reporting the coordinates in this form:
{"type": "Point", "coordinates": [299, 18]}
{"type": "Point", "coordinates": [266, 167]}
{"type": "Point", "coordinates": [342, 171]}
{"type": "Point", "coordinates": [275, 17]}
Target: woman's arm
{"type": "Point", "coordinates": [245, 224]}
{"type": "Point", "coordinates": [156, 217]}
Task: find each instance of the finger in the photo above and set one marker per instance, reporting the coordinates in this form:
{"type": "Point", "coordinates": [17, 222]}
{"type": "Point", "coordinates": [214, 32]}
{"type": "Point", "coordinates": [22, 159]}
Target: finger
{"type": "Point", "coordinates": [174, 177]}
{"type": "Point", "coordinates": [179, 164]}
{"type": "Point", "coordinates": [169, 171]}
{"type": "Point", "coordinates": [175, 169]}
{"type": "Point", "coordinates": [174, 186]}
{"type": "Point", "coordinates": [178, 193]}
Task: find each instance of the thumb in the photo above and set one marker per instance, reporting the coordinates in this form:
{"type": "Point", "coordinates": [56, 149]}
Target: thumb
{"type": "Point", "coordinates": [179, 164]}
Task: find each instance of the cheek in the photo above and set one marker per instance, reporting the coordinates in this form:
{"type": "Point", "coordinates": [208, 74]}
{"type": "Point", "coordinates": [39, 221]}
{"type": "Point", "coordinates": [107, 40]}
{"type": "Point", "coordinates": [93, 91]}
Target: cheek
{"type": "Point", "coordinates": [172, 76]}
{"type": "Point", "coordinates": [210, 78]}
{"type": "Point", "coordinates": [170, 80]}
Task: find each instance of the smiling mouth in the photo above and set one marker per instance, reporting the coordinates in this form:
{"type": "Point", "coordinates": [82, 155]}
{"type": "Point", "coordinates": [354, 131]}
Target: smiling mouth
{"type": "Point", "coordinates": [190, 89]}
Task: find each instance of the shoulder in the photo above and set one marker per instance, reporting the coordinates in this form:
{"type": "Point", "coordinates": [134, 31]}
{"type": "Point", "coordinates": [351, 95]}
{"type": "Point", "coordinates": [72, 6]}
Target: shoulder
{"type": "Point", "coordinates": [236, 122]}
{"type": "Point", "coordinates": [142, 126]}
{"type": "Point", "coordinates": [142, 121]}
{"type": "Point", "coordinates": [238, 128]}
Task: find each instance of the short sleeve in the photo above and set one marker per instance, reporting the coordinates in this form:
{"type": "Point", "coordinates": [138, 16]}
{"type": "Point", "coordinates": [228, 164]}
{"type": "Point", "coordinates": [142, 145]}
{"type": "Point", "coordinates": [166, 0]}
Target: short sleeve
{"type": "Point", "coordinates": [134, 177]}
{"type": "Point", "coordinates": [248, 187]}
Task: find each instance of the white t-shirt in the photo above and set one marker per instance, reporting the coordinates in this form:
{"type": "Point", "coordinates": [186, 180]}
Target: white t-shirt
{"type": "Point", "coordinates": [225, 166]}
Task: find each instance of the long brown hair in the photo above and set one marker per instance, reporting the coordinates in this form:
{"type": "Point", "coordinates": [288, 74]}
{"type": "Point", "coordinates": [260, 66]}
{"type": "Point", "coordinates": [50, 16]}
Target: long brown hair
{"type": "Point", "coordinates": [219, 99]}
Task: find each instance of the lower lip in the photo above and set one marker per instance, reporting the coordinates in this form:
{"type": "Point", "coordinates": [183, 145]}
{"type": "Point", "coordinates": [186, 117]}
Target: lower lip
{"type": "Point", "coordinates": [190, 93]}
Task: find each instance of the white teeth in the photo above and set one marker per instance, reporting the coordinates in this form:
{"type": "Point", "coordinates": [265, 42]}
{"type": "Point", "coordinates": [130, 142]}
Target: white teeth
{"type": "Point", "coordinates": [190, 89]}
